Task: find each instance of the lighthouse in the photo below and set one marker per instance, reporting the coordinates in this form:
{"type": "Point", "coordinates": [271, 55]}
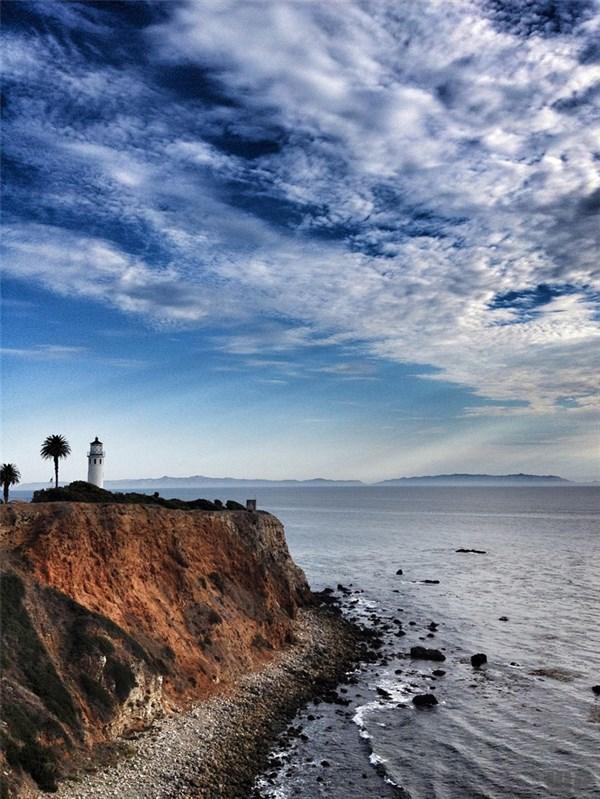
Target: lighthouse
{"type": "Point", "coordinates": [96, 463]}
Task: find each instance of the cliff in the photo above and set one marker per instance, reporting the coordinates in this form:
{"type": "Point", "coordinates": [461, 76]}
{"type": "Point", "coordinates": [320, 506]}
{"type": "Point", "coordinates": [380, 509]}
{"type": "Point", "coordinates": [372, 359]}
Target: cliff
{"type": "Point", "coordinates": [114, 613]}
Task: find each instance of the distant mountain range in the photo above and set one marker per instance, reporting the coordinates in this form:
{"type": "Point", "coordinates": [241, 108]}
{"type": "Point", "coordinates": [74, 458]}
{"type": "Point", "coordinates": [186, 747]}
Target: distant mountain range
{"type": "Point", "coordinates": [447, 479]}
{"type": "Point", "coordinates": [199, 480]}
{"type": "Point", "coordinates": [202, 480]}
{"type": "Point", "coordinates": [487, 479]}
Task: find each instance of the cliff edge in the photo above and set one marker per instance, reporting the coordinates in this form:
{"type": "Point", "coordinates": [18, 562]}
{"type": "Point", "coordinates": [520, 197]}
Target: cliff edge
{"type": "Point", "coordinates": [113, 613]}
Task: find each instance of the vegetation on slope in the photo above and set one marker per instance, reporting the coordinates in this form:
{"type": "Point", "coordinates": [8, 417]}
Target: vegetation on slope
{"type": "Point", "coordinates": [80, 491]}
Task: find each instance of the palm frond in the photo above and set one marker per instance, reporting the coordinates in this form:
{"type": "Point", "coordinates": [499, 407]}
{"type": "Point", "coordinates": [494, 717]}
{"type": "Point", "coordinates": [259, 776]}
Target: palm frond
{"type": "Point", "coordinates": [9, 474]}
{"type": "Point", "coordinates": [55, 446]}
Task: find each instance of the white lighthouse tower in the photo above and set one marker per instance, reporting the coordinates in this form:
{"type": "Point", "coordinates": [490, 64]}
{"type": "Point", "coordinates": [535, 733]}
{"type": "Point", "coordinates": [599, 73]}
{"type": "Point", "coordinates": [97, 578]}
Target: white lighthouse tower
{"type": "Point", "coordinates": [96, 463]}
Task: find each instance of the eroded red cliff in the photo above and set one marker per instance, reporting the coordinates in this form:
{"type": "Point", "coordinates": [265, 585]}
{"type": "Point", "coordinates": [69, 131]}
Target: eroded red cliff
{"type": "Point", "coordinates": [114, 612]}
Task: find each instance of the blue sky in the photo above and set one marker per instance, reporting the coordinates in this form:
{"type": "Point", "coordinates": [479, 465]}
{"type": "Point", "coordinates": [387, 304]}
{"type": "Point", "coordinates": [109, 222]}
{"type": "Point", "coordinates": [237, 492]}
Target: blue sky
{"type": "Point", "coordinates": [298, 239]}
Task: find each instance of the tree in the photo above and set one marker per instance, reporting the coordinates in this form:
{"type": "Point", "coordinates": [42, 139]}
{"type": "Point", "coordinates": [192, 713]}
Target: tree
{"type": "Point", "coordinates": [9, 476]}
{"type": "Point", "coordinates": [55, 447]}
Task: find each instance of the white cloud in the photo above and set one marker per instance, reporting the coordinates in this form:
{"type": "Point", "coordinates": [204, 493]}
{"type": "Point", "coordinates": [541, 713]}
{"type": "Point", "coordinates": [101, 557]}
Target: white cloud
{"type": "Point", "coordinates": [432, 140]}
{"type": "Point", "coordinates": [43, 352]}
{"type": "Point", "coordinates": [72, 264]}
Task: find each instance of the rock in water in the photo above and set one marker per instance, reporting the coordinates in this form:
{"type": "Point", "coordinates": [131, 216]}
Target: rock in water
{"type": "Point", "coordinates": [478, 660]}
{"type": "Point", "coordinates": [399, 571]}
{"type": "Point", "coordinates": [424, 700]}
{"type": "Point", "coordinates": [438, 672]}
{"type": "Point", "coordinates": [503, 618]}
{"type": "Point", "coordinates": [422, 653]}
{"type": "Point", "coordinates": [596, 689]}
{"type": "Point", "coordinates": [474, 551]}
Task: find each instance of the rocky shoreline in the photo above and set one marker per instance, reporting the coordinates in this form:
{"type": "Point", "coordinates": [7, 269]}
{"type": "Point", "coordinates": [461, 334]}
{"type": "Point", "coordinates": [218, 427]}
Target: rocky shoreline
{"type": "Point", "coordinates": [216, 750]}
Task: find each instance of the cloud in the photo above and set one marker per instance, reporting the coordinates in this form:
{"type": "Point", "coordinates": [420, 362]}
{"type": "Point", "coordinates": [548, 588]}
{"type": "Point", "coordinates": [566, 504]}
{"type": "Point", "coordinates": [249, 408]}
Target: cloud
{"type": "Point", "coordinates": [43, 352]}
{"type": "Point", "coordinates": [72, 264]}
{"type": "Point", "coordinates": [61, 352]}
{"type": "Point", "coordinates": [350, 371]}
{"type": "Point", "coordinates": [527, 18]}
{"type": "Point", "coordinates": [421, 186]}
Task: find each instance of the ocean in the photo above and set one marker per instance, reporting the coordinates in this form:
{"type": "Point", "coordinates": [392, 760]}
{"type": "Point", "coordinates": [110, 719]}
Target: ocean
{"type": "Point", "coordinates": [526, 725]}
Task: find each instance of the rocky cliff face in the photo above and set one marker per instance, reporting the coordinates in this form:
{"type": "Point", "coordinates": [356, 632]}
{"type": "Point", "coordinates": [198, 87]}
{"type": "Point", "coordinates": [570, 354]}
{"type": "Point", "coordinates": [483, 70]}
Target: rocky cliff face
{"type": "Point", "coordinates": [112, 613]}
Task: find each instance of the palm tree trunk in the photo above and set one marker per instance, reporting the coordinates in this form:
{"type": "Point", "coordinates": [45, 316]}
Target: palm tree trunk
{"type": "Point", "coordinates": [5, 487]}
{"type": "Point", "coordinates": [55, 472]}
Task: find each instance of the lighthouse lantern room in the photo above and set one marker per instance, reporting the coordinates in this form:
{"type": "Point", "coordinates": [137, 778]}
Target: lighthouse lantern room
{"type": "Point", "coordinates": [96, 463]}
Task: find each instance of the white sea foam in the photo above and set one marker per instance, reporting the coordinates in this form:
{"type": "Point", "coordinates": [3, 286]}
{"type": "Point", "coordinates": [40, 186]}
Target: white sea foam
{"type": "Point", "coordinates": [359, 718]}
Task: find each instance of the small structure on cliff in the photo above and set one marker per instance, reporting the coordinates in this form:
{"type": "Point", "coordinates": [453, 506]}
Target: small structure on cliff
{"type": "Point", "coordinates": [250, 504]}
{"type": "Point", "coordinates": [96, 463]}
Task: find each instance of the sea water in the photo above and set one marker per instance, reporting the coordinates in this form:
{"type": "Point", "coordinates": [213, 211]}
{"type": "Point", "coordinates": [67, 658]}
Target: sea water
{"type": "Point", "coordinates": [527, 725]}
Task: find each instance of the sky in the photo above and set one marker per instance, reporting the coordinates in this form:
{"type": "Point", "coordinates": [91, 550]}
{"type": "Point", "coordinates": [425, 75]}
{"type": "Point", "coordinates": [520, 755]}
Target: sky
{"type": "Point", "coordinates": [290, 239]}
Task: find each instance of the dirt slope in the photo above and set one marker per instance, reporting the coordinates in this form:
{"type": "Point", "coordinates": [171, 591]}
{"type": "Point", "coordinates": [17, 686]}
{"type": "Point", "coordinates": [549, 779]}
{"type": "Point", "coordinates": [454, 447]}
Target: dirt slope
{"type": "Point", "coordinates": [111, 613]}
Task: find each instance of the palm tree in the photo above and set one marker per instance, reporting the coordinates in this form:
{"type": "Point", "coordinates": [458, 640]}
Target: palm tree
{"type": "Point", "coordinates": [9, 476]}
{"type": "Point", "coordinates": [55, 447]}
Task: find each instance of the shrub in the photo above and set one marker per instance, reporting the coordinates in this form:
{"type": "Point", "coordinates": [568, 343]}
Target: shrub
{"type": "Point", "coordinates": [97, 694]}
{"type": "Point", "coordinates": [40, 762]}
{"type": "Point", "coordinates": [83, 642]}
{"type": "Point", "coordinates": [80, 491]}
{"type": "Point", "coordinates": [122, 676]}
{"type": "Point", "coordinates": [24, 649]}
{"type": "Point", "coordinates": [217, 581]}
{"type": "Point", "coordinates": [213, 617]}
{"type": "Point", "coordinates": [168, 652]}
{"type": "Point", "coordinates": [259, 642]}
{"type": "Point", "coordinates": [104, 645]}
{"type": "Point", "coordinates": [107, 625]}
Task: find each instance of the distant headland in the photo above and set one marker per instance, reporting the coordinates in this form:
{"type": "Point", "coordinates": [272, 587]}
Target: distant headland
{"type": "Point", "coordinates": [486, 479]}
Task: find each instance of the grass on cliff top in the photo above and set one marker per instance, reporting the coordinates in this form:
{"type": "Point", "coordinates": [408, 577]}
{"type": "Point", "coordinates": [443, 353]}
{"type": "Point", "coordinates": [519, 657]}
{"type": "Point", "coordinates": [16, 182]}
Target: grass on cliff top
{"type": "Point", "coordinates": [80, 491]}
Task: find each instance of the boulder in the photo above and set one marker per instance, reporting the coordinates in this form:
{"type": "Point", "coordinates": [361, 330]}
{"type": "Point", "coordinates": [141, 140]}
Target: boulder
{"type": "Point", "coordinates": [503, 618]}
{"type": "Point", "coordinates": [596, 689]}
{"type": "Point", "coordinates": [438, 672]}
{"type": "Point", "coordinates": [478, 660]}
{"type": "Point", "coordinates": [424, 700]}
{"type": "Point", "coordinates": [399, 572]}
{"type": "Point", "coordinates": [422, 653]}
